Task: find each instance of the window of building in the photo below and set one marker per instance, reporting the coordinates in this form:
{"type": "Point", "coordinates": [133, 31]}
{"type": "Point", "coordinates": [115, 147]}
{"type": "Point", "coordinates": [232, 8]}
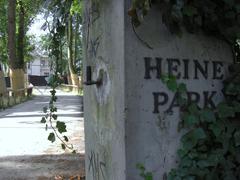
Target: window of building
{"type": "Point", "coordinates": [42, 63]}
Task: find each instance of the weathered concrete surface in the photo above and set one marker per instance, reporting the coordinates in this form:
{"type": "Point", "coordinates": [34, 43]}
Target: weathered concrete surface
{"type": "Point", "coordinates": [104, 105]}
{"type": "Point", "coordinates": [152, 138]}
{"type": "Point", "coordinates": [125, 125]}
{"type": "Point", "coordinates": [25, 151]}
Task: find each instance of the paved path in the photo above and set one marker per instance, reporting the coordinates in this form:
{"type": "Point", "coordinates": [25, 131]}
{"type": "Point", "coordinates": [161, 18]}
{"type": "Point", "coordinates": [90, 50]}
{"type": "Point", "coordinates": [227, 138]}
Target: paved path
{"type": "Point", "coordinates": [23, 137]}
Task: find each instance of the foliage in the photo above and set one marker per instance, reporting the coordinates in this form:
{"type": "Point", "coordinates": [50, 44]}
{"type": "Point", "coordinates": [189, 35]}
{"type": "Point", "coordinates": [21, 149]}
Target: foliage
{"type": "Point", "coordinates": [61, 12]}
{"type": "Point", "coordinates": [51, 118]}
{"type": "Point", "coordinates": [211, 147]}
{"type": "Point", "coordinates": [3, 31]}
{"type": "Point", "coordinates": [214, 17]}
{"type": "Point", "coordinates": [143, 173]}
{"type": "Point", "coordinates": [31, 8]}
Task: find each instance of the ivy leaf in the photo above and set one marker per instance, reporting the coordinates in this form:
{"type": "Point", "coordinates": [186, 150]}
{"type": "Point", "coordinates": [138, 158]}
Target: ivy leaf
{"type": "Point", "coordinates": [186, 162]}
{"type": "Point", "coordinates": [190, 119]}
{"type": "Point", "coordinates": [45, 109]}
{"type": "Point", "coordinates": [216, 128]}
{"type": "Point", "coordinates": [54, 116]}
{"type": "Point", "coordinates": [61, 126]}
{"type": "Point", "coordinates": [182, 88]}
{"type": "Point", "coordinates": [164, 78]}
{"type": "Point", "coordinates": [191, 139]}
{"type": "Point", "coordinates": [65, 138]}
{"type": "Point", "coordinates": [225, 111]}
{"type": "Point", "coordinates": [140, 167]}
{"type": "Point", "coordinates": [207, 115]}
{"type": "Point", "coordinates": [172, 84]}
{"type": "Point", "coordinates": [230, 89]}
{"type": "Point", "coordinates": [63, 146]}
{"type": "Point", "coordinates": [236, 106]}
{"type": "Point", "coordinates": [148, 176]}
{"type": "Point", "coordinates": [43, 120]}
{"type": "Point", "coordinates": [53, 92]}
{"type": "Point", "coordinates": [189, 11]}
{"type": "Point", "coordinates": [193, 109]}
{"type": "Point", "coordinates": [51, 137]}
{"type": "Point", "coordinates": [237, 138]}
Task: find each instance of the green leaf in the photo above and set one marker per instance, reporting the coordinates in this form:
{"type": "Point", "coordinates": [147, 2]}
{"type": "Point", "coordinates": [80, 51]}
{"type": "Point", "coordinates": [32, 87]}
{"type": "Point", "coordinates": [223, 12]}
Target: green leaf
{"type": "Point", "coordinates": [181, 153]}
{"type": "Point", "coordinates": [190, 119]}
{"type": "Point", "coordinates": [164, 78]}
{"type": "Point", "coordinates": [172, 85]}
{"type": "Point", "coordinates": [225, 111]}
{"type": "Point", "coordinates": [237, 138]}
{"type": "Point", "coordinates": [193, 109]}
{"type": "Point", "coordinates": [231, 89]}
{"type": "Point", "coordinates": [51, 137]}
{"type": "Point", "coordinates": [140, 167]}
{"type": "Point", "coordinates": [182, 88]}
{"type": "Point", "coordinates": [63, 146]}
{"type": "Point", "coordinates": [236, 106]}
{"type": "Point", "coordinates": [148, 176]}
{"type": "Point", "coordinates": [54, 116]}
{"type": "Point", "coordinates": [45, 109]}
{"type": "Point", "coordinates": [43, 120]}
{"type": "Point", "coordinates": [216, 128]}
{"type": "Point", "coordinates": [186, 162]}
{"type": "Point", "coordinates": [191, 139]}
{"type": "Point", "coordinates": [189, 11]}
{"type": "Point", "coordinates": [53, 92]}
{"type": "Point", "coordinates": [65, 138]}
{"type": "Point", "coordinates": [61, 126]}
{"type": "Point", "coordinates": [207, 115]}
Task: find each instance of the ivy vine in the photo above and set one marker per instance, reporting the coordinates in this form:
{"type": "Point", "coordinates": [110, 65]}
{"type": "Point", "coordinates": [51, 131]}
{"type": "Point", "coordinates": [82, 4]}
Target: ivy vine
{"type": "Point", "coordinates": [50, 119]}
{"type": "Point", "coordinates": [214, 17]}
{"type": "Point", "coordinates": [211, 147]}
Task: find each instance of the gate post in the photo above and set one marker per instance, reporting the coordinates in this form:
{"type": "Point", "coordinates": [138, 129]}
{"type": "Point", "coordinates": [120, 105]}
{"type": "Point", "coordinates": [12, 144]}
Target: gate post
{"type": "Point", "coordinates": [130, 115]}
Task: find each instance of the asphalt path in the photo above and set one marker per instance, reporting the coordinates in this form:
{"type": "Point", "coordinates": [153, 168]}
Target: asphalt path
{"type": "Point", "coordinates": [21, 132]}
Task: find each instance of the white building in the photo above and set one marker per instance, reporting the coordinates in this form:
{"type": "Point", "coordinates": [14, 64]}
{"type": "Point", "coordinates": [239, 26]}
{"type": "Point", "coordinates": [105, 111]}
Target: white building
{"type": "Point", "coordinates": [39, 67]}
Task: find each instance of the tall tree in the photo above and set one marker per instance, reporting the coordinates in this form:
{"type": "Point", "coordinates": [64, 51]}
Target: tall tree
{"type": "Point", "coordinates": [71, 56]}
{"type": "Point", "coordinates": [63, 13]}
{"type": "Point", "coordinates": [3, 43]}
{"type": "Point", "coordinates": [21, 34]}
{"type": "Point", "coordinates": [16, 69]}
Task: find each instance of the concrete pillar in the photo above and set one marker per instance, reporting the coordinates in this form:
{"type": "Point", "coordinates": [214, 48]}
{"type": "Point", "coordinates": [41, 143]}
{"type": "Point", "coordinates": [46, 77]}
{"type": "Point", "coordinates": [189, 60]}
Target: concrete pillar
{"type": "Point", "coordinates": [131, 117]}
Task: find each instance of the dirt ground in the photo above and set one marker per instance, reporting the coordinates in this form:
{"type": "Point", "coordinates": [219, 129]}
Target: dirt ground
{"type": "Point", "coordinates": [42, 167]}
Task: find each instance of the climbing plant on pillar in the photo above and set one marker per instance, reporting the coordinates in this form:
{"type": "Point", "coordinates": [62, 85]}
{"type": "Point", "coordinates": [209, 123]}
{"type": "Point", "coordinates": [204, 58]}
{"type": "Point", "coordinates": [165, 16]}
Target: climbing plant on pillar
{"type": "Point", "coordinates": [217, 18]}
{"type": "Point", "coordinates": [210, 147]}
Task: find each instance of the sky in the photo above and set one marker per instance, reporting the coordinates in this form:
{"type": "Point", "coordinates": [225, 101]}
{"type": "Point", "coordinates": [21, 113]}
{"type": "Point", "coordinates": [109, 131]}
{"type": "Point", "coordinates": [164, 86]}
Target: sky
{"type": "Point", "coordinates": [35, 28]}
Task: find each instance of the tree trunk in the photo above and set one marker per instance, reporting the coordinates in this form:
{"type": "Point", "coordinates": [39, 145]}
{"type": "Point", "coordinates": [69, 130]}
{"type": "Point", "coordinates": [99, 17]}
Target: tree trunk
{"type": "Point", "coordinates": [73, 74]}
{"type": "Point", "coordinates": [21, 36]}
{"type": "Point", "coordinates": [16, 69]}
